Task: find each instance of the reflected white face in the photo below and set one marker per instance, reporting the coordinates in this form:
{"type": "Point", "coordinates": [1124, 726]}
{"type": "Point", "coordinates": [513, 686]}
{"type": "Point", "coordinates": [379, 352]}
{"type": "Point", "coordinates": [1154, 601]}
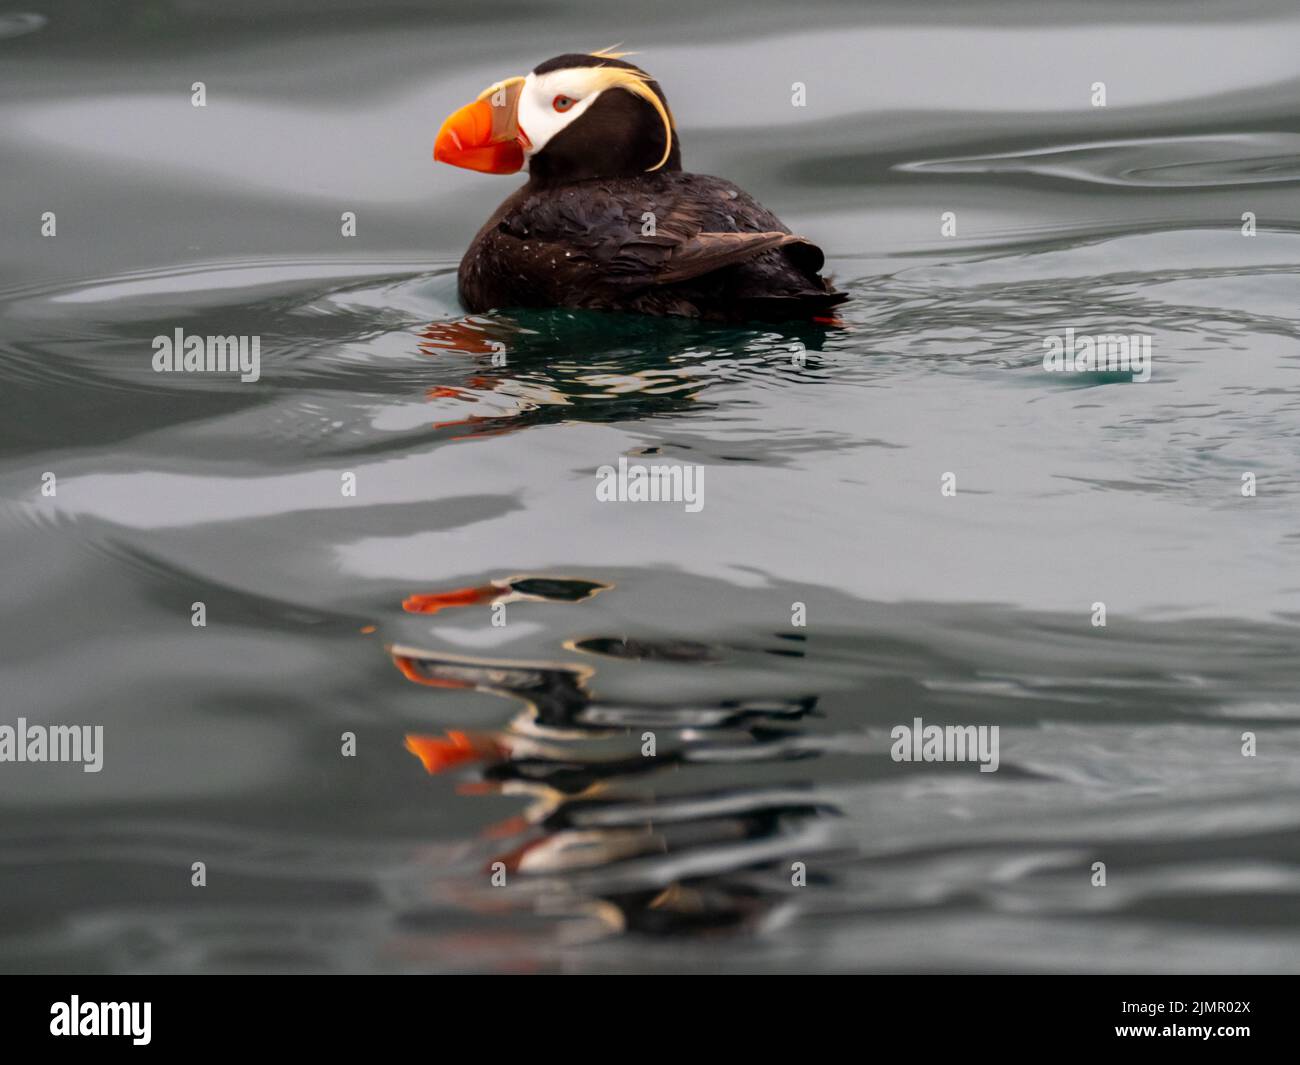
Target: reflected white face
{"type": "Point", "coordinates": [549, 102]}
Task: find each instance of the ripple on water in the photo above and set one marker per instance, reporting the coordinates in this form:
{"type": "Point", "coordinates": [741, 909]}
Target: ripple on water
{"type": "Point", "coordinates": [1205, 160]}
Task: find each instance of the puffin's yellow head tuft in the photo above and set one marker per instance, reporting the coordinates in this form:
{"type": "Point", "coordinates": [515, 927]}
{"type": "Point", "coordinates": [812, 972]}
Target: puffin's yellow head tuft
{"type": "Point", "coordinates": [610, 53]}
{"type": "Point", "coordinates": [637, 82]}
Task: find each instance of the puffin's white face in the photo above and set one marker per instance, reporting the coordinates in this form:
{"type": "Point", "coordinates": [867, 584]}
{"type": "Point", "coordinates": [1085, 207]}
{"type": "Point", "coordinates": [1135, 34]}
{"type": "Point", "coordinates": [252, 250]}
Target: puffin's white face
{"type": "Point", "coordinates": [550, 102]}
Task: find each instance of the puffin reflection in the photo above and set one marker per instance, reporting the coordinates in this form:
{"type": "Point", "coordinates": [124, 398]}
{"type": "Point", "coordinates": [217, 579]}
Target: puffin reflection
{"type": "Point", "coordinates": [502, 373]}
{"type": "Point", "coordinates": [624, 817]}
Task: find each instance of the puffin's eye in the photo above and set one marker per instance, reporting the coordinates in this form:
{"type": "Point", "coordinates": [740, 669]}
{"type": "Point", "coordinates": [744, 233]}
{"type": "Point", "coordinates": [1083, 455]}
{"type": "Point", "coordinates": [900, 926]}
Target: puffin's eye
{"type": "Point", "coordinates": [563, 103]}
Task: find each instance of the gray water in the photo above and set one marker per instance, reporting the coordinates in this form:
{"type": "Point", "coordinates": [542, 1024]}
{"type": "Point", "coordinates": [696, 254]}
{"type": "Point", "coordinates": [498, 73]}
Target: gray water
{"type": "Point", "coordinates": [823, 450]}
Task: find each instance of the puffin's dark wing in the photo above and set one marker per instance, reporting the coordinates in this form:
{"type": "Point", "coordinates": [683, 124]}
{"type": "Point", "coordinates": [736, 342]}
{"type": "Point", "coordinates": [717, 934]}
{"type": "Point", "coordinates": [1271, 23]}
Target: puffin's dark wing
{"type": "Point", "coordinates": [706, 252]}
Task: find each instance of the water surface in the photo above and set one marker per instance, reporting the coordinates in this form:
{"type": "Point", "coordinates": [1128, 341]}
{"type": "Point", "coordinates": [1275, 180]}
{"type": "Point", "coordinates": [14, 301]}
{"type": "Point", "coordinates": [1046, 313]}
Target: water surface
{"type": "Point", "coordinates": [823, 452]}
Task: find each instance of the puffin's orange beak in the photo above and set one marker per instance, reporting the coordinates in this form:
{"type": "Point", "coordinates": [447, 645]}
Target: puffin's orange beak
{"type": "Point", "coordinates": [485, 135]}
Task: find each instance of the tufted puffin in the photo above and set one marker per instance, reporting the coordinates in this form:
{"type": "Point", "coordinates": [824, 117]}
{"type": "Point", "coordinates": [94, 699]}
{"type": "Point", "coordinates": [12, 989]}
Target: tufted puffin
{"type": "Point", "coordinates": [608, 219]}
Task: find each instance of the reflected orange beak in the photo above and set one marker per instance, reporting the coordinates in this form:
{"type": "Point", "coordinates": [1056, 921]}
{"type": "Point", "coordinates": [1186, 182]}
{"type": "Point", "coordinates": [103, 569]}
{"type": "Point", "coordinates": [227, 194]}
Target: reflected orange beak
{"type": "Point", "coordinates": [439, 755]}
{"type": "Point", "coordinates": [485, 135]}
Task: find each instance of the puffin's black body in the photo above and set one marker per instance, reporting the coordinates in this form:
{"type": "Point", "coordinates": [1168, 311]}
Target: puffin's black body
{"type": "Point", "coordinates": [599, 226]}
{"type": "Point", "coordinates": [716, 253]}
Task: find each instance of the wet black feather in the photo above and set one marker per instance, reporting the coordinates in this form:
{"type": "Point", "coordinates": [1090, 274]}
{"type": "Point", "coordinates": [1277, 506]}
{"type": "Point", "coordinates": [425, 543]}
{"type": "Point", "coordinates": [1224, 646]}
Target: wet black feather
{"type": "Point", "coordinates": [587, 244]}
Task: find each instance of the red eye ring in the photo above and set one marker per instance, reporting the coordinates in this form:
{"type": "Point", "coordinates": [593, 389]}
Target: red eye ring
{"type": "Point", "coordinates": [562, 103]}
